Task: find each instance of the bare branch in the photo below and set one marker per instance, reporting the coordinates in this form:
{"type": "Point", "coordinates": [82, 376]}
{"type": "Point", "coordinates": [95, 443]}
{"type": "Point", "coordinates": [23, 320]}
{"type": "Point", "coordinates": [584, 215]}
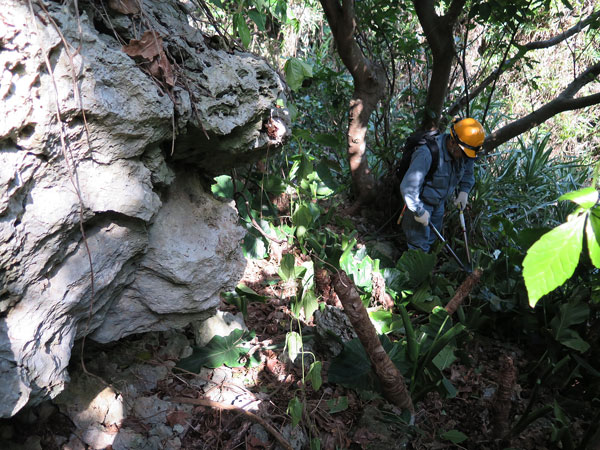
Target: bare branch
{"type": "Point", "coordinates": [562, 36]}
{"type": "Point", "coordinates": [563, 102]}
{"type": "Point", "coordinates": [536, 45]}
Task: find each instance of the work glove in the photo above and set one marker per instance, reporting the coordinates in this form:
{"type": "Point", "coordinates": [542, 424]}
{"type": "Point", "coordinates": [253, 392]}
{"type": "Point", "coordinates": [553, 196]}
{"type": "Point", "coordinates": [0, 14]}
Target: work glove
{"type": "Point", "coordinates": [461, 200]}
{"type": "Point", "coordinates": [423, 219]}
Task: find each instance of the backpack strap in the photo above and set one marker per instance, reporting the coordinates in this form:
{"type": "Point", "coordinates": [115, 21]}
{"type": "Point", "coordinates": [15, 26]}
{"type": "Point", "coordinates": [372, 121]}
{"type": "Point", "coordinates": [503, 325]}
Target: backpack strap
{"type": "Point", "coordinates": [431, 142]}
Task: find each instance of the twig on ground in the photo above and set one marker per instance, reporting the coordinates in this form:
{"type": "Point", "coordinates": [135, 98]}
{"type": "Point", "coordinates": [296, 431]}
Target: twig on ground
{"type": "Point", "coordinates": [222, 406]}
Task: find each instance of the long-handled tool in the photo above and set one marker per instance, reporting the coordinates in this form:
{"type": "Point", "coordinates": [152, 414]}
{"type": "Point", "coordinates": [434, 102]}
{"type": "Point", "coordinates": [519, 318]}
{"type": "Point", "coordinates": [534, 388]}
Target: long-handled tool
{"type": "Point", "coordinates": [461, 216]}
{"type": "Point", "coordinates": [441, 238]}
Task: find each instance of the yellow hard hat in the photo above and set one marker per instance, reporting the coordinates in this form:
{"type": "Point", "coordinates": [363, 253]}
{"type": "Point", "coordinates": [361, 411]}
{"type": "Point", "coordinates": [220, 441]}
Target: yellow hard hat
{"type": "Point", "coordinates": [469, 135]}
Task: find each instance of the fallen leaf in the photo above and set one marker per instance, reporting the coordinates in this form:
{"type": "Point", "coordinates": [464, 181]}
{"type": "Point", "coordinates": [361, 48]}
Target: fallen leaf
{"type": "Point", "coordinates": [148, 47]}
{"type": "Point", "coordinates": [177, 418]}
{"type": "Point", "coordinates": [124, 6]}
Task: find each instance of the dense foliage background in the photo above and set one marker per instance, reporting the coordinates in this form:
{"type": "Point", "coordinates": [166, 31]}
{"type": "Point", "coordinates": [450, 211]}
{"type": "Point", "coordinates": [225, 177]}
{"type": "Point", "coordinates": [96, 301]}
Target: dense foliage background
{"type": "Point", "coordinates": [508, 62]}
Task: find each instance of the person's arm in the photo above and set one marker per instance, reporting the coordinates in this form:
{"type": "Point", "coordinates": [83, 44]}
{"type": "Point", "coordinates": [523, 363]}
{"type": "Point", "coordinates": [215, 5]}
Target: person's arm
{"type": "Point", "coordinates": [467, 181]}
{"type": "Point", "coordinates": [413, 180]}
{"type": "Point", "coordinates": [465, 185]}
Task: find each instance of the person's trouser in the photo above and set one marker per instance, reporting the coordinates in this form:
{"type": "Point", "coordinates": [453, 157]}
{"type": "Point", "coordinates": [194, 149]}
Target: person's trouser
{"type": "Point", "coordinates": [418, 236]}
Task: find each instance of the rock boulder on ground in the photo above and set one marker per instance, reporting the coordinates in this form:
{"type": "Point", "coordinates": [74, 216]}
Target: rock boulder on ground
{"type": "Point", "coordinates": [105, 159]}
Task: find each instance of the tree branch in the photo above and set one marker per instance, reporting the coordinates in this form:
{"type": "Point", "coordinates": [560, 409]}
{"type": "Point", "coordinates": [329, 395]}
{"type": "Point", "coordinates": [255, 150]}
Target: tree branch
{"type": "Point", "coordinates": [563, 102]}
{"type": "Point", "coordinates": [562, 36]}
{"type": "Point", "coordinates": [524, 48]}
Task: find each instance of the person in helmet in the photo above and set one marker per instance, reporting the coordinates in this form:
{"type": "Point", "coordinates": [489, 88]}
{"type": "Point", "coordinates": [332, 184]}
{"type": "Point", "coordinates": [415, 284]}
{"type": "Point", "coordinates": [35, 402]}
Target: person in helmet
{"type": "Point", "coordinates": [425, 198]}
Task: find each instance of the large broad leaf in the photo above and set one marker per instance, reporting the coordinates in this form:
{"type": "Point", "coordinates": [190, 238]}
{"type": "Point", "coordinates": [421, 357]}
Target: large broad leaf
{"type": "Point", "coordinates": [258, 18]}
{"type": "Point", "coordinates": [254, 246]}
{"type": "Point", "coordinates": [219, 351]}
{"type": "Point", "coordinates": [385, 321]}
{"type": "Point", "coordinates": [586, 198]}
{"type": "Point", "coordinates": [417, 264]}
{"type": "Point", "coordinates": [352, 368]}
{"type": "Point", "coordinates": [223, 187]}
{"type": "Point", "coordinates": [592, 230]}
{"type": "Point", "coordinates": [570, 314]}
{"type": "Point", "coordinates": [395, 279]}
{"type": "Point", "coordinates": [553, 258]}
{"type": "Point", "coordinates": [295, 73]}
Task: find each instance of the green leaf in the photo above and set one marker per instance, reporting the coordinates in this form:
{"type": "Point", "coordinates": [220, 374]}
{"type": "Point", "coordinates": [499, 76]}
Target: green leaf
{"type": "Point", "coordinates": [592, 230]}
{"type": "Point", "coordinates": [242, 29]}
{"type": "Point", "coordinates": [337, 404]}
{"type": "Point", "coordinates": [454, 436]}
{"type": "Point", "coordinates": [244, 290]}
{"type": "Point", "coordinates": [223, 187]}
{"type": "Point", "coordinates": [382, 320]}
{"type": "Point", "coordinates": [417, 264]}
{"type": "Point", "coordinates": [295, 73]}
{"type": "Point", "coordinates": [444, 358]}
{"type": "Point", "coordinates": [294, 409]}
{"type": "Point", "coordinates": [570, 314]}
{"type": "Point", "coordinates": [309, 303]}
{"type": "Point", "coordinates": [586, 198]}
{"type": "Point", "coordinates": [287, 267]}
{"type": "Point", "coordinates": [326, 139]}
{"type": "Point", "coordinates": [352, 368]}
{"type": "Point", "coordinates": [241, 303]}
{"type": "Point", "coordinates": [553, 258]}
{"type": "Point", "coordinates": [315, 444]}
{"type": "Point", "coordinates": [293, 343]}
{"type": "Point", "coordinates": [451, 391]}
{"type": "Point", "coordinates": [259, 19]}
{"type": "Point", "coordinates": [254, 246]}
{"type": "Point", "coordinates": [302, 217]}
{"type": "Point", "coordinates": [314, 375]}
{"type": "Point", "coordinates": [219, 351]}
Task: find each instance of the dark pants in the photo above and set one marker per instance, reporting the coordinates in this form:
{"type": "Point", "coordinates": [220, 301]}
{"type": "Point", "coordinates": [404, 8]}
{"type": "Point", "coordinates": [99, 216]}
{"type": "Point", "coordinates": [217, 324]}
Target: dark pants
{"type": "Point", "coordinates": [418, 236]}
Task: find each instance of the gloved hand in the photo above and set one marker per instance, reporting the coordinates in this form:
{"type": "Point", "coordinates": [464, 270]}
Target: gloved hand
{"type": "Point", "coordinates": [423, 219]}
{"type": "Point", "coordinates": [461, 200]}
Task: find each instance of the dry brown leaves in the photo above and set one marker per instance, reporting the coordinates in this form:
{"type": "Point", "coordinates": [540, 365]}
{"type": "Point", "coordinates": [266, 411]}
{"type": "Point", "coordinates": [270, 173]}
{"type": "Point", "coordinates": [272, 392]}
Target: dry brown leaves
{"type": "Point", "coordinates": [149, 51]}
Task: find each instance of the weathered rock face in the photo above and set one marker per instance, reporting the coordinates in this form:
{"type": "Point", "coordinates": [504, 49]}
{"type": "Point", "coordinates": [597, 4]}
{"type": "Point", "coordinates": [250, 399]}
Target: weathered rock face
{"type": "Point", "coordinates": [161, 247]}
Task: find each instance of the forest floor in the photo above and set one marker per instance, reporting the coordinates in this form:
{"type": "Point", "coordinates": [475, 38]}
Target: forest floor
{"type": "Point", "coordinates": [247, 407]}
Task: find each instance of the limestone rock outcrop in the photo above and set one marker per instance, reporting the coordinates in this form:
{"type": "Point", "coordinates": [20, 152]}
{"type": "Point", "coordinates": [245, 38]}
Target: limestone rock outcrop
{"type": "Point", "coordinates": [104, 162]}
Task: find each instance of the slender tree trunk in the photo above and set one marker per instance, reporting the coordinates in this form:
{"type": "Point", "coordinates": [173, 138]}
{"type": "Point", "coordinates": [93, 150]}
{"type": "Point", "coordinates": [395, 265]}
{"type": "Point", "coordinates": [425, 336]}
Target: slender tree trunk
{"type": "Point", "coordinates": [369, 84]}
{"type": "Point", "coordinates": [391, 379]}
{"type": "Point", "coordinates": [439, 34]}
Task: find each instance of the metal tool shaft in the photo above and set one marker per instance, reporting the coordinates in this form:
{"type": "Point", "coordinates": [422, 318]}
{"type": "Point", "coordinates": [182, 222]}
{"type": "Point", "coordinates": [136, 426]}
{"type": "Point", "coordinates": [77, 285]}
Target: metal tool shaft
{"type": "Point", "coordinates": [441, 238]}
{"type": "Point", "coordinates": [461, 216]}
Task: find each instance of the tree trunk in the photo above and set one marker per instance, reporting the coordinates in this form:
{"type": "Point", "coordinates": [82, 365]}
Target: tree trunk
{"type": "Point", "coordinates": [392, 380]}
{"type": "Point", "coordinates": [369, 84]}
{"type": "Point", "coordinates": [439, 34]}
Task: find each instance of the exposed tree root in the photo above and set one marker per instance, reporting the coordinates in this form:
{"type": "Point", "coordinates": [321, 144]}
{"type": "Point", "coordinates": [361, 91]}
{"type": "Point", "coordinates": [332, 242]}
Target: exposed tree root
{"type": "Point", "coordinates": [463, 290]}
{"type": "Point", "coordinates": [212, 404]}
{"type": "Point", "coordinates": [392, 380]}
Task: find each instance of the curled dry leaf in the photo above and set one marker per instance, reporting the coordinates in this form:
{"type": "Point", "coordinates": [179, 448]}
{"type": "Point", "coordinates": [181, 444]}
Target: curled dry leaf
{"type": "Point", "coordinates": [149, 49]}
{"type": "Point", "coordinates": [124, 6]}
